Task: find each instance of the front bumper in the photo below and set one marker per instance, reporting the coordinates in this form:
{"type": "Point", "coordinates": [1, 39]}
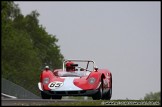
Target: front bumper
{"type": "Point", "coordinates": [72, 93]}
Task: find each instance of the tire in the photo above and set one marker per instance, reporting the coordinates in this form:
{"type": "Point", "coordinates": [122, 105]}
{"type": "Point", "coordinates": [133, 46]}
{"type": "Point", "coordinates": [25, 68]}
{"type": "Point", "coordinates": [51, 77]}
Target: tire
{"type": "Point", "coordinates": [110, 91]}
{"type": "Point", "coordinates": [99, 93]}
{"type": "Point", "coordinates": [107, 95]}
{"type": "Point", "coordinates": [56, 97]}
{"type": "Point", "coordinates": [45, 96]}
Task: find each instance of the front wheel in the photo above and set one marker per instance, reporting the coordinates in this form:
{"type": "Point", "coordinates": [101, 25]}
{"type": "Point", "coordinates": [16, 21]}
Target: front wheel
{"type": "Point", "coordinates": [56, 97]}
{"type": "Point", "coordinates": [45, 96]}
{"type": "Point", "coordinates": [107, 95]}
{"type": "Point", "coordinates": [99, 93]}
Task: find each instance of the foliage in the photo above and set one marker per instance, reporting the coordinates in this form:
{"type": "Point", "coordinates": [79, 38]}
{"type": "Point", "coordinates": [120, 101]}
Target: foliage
{"type": "Point", "coordinates": [26, 47]}
{"type": "Point", "coordinates": [153, 96]}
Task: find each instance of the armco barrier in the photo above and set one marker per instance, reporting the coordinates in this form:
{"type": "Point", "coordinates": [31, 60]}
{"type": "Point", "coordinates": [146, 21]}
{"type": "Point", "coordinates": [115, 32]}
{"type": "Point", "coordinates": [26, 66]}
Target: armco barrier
{"type": "Point", "coordinates": [7, 96]}
{"type": "Point", "coordinates": [13, 89]}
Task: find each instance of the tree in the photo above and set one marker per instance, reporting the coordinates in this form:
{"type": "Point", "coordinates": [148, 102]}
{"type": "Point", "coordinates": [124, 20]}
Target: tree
{"type": "Point", "coordinates": [153, 96]}
{"type": "Point", "coordinates": [26, 47]}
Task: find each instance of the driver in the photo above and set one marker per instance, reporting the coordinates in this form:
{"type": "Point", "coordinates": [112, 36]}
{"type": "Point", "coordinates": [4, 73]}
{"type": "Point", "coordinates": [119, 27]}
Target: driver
{"type": "Point", "coordinates": [69, 66]}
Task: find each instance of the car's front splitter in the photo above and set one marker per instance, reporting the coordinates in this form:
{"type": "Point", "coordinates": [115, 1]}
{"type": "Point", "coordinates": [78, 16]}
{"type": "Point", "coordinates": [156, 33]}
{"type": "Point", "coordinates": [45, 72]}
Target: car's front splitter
{"type": "Point", "coordinates": [72, 93]}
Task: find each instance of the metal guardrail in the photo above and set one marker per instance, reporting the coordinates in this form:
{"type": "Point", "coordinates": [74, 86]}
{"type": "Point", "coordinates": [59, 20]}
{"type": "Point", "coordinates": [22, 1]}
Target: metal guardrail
{"type": "Point", "coordinates": [7, 96]}
{"type": "Point", "coordinates": [13, 89]}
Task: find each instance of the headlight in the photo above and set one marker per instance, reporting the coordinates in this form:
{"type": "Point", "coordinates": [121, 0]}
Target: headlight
{"type": "Point", "coordinates": [91, 80]}
{"type": "Point", "coordinates": [46, 80]}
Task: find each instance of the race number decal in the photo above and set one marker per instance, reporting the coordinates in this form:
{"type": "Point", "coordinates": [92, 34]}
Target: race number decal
{"type": "Point", "coordinates": [55, 85]}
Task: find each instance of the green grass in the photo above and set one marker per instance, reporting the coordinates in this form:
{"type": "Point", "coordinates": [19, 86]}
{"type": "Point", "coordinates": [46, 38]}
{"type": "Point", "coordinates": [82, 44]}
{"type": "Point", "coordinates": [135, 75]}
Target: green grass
{"type": "Point", "coordinates": [108, 103]}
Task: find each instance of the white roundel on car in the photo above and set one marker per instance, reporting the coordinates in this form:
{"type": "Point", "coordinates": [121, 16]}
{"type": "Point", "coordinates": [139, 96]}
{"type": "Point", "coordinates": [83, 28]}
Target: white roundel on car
{"type": "Point", "coordinates": [55, 85]}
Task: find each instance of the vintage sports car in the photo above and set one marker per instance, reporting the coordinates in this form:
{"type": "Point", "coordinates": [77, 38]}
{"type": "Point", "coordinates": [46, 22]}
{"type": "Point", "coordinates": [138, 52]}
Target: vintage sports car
{"type": "Point", "coordinates": [76, 78]}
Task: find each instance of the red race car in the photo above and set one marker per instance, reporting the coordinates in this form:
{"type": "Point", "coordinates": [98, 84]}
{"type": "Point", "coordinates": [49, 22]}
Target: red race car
{"type": "Point", "coordinates": [76, 78]}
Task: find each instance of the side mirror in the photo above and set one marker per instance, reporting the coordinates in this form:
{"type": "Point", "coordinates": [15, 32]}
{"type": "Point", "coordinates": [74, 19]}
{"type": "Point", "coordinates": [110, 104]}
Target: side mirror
{"type": "Point", "coordinates": [46, 67]}
{"type": "Point", "coordinates": [96, 68]}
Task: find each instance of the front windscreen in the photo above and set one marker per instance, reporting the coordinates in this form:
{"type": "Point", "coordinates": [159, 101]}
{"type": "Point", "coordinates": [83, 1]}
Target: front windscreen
{"type": "Point", "coordinates": [80, 68]}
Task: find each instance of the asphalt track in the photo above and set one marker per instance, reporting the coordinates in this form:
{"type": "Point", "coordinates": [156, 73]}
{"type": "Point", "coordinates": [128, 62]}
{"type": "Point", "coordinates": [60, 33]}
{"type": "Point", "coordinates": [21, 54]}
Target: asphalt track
{"type": "Point", "coordinates": [37, 102]}
{"type": "Point", "coordinates": [76, 102]}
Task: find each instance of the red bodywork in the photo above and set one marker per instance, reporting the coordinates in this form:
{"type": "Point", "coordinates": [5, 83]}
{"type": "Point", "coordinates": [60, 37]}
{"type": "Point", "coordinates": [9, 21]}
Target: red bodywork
{"type": "Point", "coordinates": [57, 83]}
